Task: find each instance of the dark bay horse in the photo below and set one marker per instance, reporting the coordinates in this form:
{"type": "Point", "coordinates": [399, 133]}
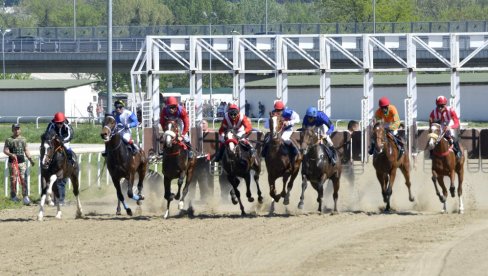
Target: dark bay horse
{"type": "Point", "coordinates": [317, 168]}
{"type": "Point", "coordinates": [278, 163]}
{"type": "Point", "coordinates": [122, 163]}
{"type": "Point", "coordinates": [175, 165]}
{"type": "Point", "coordinates": [386, 162]}
{"type": "Point", "coordinates": [54, 161]}
{"type": "Point", "coordinates": [238, 161]}
{"type": "Point", "coordinates": [445, 163]}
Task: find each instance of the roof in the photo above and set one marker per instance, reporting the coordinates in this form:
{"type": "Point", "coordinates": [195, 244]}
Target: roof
{"type": "Point", "coordinates": [205, 91]}
{"type": "Point", "coordinates": [42, 84]}
{"type": "Point", "coordinates": [352, 80]}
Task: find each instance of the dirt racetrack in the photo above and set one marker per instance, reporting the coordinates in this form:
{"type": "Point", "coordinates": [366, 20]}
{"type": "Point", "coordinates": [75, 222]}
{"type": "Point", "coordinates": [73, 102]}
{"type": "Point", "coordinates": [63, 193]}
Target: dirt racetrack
{"type": "Point", "coordinates": [415, 239]}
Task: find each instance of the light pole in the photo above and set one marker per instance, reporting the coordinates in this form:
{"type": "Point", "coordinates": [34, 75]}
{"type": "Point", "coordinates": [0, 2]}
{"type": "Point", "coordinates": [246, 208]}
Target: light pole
{"type": "Point", "coordinates": [3, 49]}
{"type": "Point", "coordinates": [374, 16]}
{"type": "Point", "coordinates": [212, 14]}
{"type": "Point", "coordinates": [266, 18]}
{"type": "Point", "coordinates": [74, 19]}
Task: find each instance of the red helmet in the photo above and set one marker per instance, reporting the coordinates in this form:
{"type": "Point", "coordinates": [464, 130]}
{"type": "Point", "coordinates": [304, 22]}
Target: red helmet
{"type": "Point", "coordinates": [279, 105]}
{"type": "Point", "coordinates": [233, 106]}
{"type": "Point", "coordinates": [384, 102]}
{"type": "Point", "coordinates": [59, 117]}
{"type": "Point", "coordinates": [171, 101]}
{"type": "Point", "coordinates": [441, 100]}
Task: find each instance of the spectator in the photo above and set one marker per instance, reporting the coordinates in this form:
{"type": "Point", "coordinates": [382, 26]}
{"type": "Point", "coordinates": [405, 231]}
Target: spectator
{"type": "Point", "coordinates": [221, 109]}
{"type": "Point", "coordinates": [99, 111]}
{"type": "Point", "coordinates": [261, 109]}
{"type": "Point", "coordinates": [352, 126]}
{"type": "Point", "coordinates": [16, 149]}
{"type": "Point", "coordinates": [89, 109]}
{"type": "Point", "coordinates": [247, 108]}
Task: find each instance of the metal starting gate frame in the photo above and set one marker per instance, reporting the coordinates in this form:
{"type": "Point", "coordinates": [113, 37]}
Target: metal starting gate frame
{"type": "Point", "coordinates": [320, 51]}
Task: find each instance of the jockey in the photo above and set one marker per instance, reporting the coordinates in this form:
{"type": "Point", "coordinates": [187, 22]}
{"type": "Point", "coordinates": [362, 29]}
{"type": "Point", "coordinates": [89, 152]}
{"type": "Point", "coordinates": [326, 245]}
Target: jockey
{"type": "Point", "coordinates": [175, 112]}
{"type": "Point", "coordinates": [125, 120]}
{"type": "Point", "coordinates": [389, 114]}
{"type": "Point", "coordinates": [233, 121]}
{"type": "Point", "coordinates": [320, 120]}
{"type": "Point", "coordinates": [290, 118]}
{"type": "Point", "coordinates": [447, 117]}
{"type": "Point", "coordinates": [60, 125]}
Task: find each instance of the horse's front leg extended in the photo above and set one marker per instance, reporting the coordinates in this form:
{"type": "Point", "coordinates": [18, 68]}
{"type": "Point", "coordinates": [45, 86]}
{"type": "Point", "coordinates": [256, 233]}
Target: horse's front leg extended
{"type": "Point", "coordinates": [406, 174]}
{"type": "Point", "coordinates": [44, 184]}
{"type": "Point", "coordinates": [272, 188]}
{"type": "Point", "coordinates": [460, 190]}
{"type": "Point", "coordinates": [256, 179]}
{"type": "Point", "coordinates": [235, 184]}
{"type": "Point", "coordinates": [452, 189]}
{"type": "Point", "coordinates": [382, 178]}
{"type": "Point", "coordinates": [248, 188]}
{"type": "Point", "coordinates": [167, 195]}
{"type": "Point", "coordinates": [320, 194]}
{"type": "Point", "coordinates": [294, 175]}
{"type": "Point", "coordinates": [336, 181]}
{"type": "Point", "coordinates": [284, 194]}
{"type": "Point", "coordinates": [185, 190]}
{"type": "Point", "coordinates": [304, 187]}
{"type": "Point", "coordinates": [120, 197]}
{"type": "Point", "coordinates": [440, 179]}
{"type": "Point", "coordinates": [180, 183]}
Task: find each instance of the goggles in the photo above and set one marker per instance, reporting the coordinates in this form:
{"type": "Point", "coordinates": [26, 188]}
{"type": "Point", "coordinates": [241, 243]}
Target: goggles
{"type": "Point", "coordinates": [118, 106]}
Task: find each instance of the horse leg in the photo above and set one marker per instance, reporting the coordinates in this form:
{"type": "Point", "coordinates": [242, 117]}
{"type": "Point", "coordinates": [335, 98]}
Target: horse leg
{"type": "Point", "coordinates": [336, 181]}
{"type": "Point", "coordinates": [460, 190]}
{"type": "Point", "coordinates": [238, 194]}
{"type": "Point", "coordinates": [233, 182]}
{"type": "Point", "coordinates": [406, 175]}
{"type": "Point", "coordinates": [76, 192]}
{"type": "Point", "coordinates": [389, 190]}
{"type": "Point", "coordinates": [44, 180]}
{"type": "Point", "coordinates": [120, 197]}
{"type": "Point", "coordinates": [256, 179]}
{"type": "Point", "coordinates": [440, 179]}
{"type": "Point", "coordinates": [272, 188]}
{"type": "Point", "coordinates": [284, 194]}
{"type": "Point", "coordinates": [248, 187]}
{"type": "Point", "coordinates": [181, 204]}
{"type": "Point", "coordinates": [142, 174]}
{"type": "Point", "coordinates": [320, 194]}
{"type": "Point", "coordinates": [286, 201]}
{"type": "Point", "coordinates": [167, 195]}
{"type": "Point", "coordinates": [59, 176]}
{"type": "Point", "coordinates": [452, 189]}
{"type": "Point", "coordinates": [382, 178]}
{"type": "Point", "coordinates": [304, 187]}
{"type": "Point", "coordinates": [180, 183]}
{"type": "Point", "coordinates": [49, 196]}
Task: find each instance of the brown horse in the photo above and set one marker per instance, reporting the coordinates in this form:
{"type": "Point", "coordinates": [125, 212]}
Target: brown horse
{"type": "Point", "coordinates": [445, 163]}
{"type": "Point", "coordinates": [175, 165]}
{"type": "Point", "coordinates": [317, 168]}
{"type": "Point", "coordinates": [238, 161]}
{"type": "Point", "coordinates": [55, 162]}
{"type": "Point", "coordinates": [123, 163]}
{"type": "Point", "coordinates": [386, 160]}
{"type": "Point", "coordinates": [278, 163]}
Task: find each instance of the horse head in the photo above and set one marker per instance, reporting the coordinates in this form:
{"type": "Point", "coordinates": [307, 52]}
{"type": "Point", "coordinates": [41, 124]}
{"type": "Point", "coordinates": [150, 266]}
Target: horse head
{"type": "Point", "coordinates": [231, 141]}
{"type": "Point", "coordinates": [308, 137]}
{"type": "Point", "coordinates": [379, 137]}
{"type": "Point", "coordinates": [436, 135]}
{"type": "Point", "coordinates": [275, 126]}
{"type": "Point", "coordinates": [51, 144]}
{"type": "Point", "coordinates": [170, 133]}
{"type": "Point", "coordinates": [109, 128]}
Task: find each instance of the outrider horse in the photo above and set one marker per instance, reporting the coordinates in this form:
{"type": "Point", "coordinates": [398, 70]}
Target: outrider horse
{"type": "Point", "coordinates": [278, 161]}
{"type": "Point", "coordinates": [317, 167]}
{"type": "Point", "coordinates": [122, 162]}
{"type": "Point", "coordinates": [445, 163]}
{"type": "Point", "coordinates": [54, 161]}
{"type": "Point", "coordinates": [386, 160]}
{"type": "Point", "coordinates": [238, 161]}
{"type": "Point", "coordinates": [175, 165]}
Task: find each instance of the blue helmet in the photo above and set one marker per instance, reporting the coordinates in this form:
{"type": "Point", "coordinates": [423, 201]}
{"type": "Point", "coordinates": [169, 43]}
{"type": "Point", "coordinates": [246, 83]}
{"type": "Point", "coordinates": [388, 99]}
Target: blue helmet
{"type": "Point", "coordinates": [312, 112]}
{"type": "Point", "coordinates": [287, 113]}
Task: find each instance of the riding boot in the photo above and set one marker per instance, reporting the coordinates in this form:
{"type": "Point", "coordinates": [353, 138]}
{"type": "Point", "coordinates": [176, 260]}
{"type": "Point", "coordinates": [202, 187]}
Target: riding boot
{"type": "Point", "coordinates": [399, 143]}
{"type": "Point", "coordinates": [333, 156]}
{"type": "Point", "coordinates": [219, 154]}
{"type": "Point", "coordinates": [189, 149]}
{"type": "Point", "coordinates": [371, 148]}
{"type": "Point", "coordinates": [69, 155]}
{"type": "Point", "coordinates": [457, 149]}
{"type": "Point", "coordinates": [264, 152]}
{"type": "Point", "coordinates": [292, 151]}
{"type": "Point", "coordinates": [134, 147]}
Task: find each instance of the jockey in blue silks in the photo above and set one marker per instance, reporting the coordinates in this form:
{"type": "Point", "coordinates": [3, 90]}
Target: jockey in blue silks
{"type": "Point", "coordinates": [290, 117]}
{"type": "Point", "coordinates": [125, 120]}
{"type": "Point", "coordinates": [323, 126]}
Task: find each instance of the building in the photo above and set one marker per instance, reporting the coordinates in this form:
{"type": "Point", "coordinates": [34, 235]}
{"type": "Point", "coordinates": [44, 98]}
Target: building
{"type": "Point", "coordinates": [42, 98]}
{"type": "Point", "coordinates": [347, 93]}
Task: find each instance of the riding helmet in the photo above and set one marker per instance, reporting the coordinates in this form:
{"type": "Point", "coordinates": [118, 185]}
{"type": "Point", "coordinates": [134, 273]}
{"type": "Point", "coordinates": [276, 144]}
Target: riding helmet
{"type": "Point", "coordinates": [441, 100]}
{"type": "Point", "coordinates": [59, 117]}
{"type": "Point", "coordinates": [311, 111]}
{"type": "Point", "coordinates": [287, 113]}
{"type": "Point", "coordinates": [233, 106]}
{"type": "Point", "coordinates": [384, 101]}
{"type": "Point", "coordinates": [119, 102]}
{"type": "Point", "coordinates": [279, 105]}
{"type": "Point", "coordinates": [171, 101]}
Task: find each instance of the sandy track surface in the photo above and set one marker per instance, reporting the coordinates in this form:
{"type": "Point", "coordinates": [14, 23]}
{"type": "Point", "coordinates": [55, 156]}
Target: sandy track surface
{"type": "Point", "coordinates": [415, 239]}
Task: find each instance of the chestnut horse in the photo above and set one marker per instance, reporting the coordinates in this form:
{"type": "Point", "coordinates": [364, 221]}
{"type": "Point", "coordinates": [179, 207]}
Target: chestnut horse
{"type": "Point", "coordinates": [386, 162]}
{"type": "Point", "coordinates": [175, 165]}
{"type": "Point", "coordinates": [123, 163]}
{"type": "Point", "coordinates": [445, 163]}
{"type": "Point", "coordinates": [278, 163]}
{"type": "Point", "coordinates": [238, 161]}
{"type": "Point", "coordinates": [317, 168]}
{"type": "Point", "coordinates": [54, 161]}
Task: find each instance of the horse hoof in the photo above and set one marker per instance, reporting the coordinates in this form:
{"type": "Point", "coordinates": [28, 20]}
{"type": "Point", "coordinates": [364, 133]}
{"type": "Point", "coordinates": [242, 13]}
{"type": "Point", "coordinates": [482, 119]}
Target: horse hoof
{"type": "Point", "coordinates": [40, 217]}
{"type": "Point", "coordinates": [243, 214]}
{"type": "Point", "coordinates": [453, 191]}
{"type": "Point", "coordinates": [181, 204]}
{"type": "Point", "coordinates": [260, 200]}
{"type": "Point", "coordinates": [276, 199]}
{"type": "Point", "coordinates": [166, 214]}
{"type": "Point", "coordinates": [177, 197]}
{"type": "Point", "coordinates": [79, 214]}
{"type": "Point", "coordinates": [300, 205]}
{"type": "Point", "coordinates": [129, 211]}
{"type": "Point", "coordinates": [461, 212]}
{"type": "Point", "coordinates": [58, 215]}
{"type": "Point", "coordinates": [141, 197]}
{"type": "Point", "coordinates": [234, 200]}
{"type": "Point", "coordinates": [286, 201]}
{"type": "Point", "coordinates": [118, 213]}
{"type": "Point", "coordinates": [412, 199]}
{"type": "Point", "coordinates": [250, 199]}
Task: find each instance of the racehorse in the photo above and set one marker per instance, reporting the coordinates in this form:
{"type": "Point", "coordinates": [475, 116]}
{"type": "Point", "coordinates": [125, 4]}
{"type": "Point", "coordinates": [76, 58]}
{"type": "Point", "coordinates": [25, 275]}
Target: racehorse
{"type": "Point", "coordinates": [54, 161]}
{"type": "Point", "coordinates": [386, 160]}
{"type": "Point", "coordinates": [317, 168]}
{"type": "Point", "coordinates": [238, 161]}
{"type": "Point", "coordinates": [123, 163]}
{"type": "Point", "coordinates": [278, 161]}
{"type": "Point", "coordinates": [175, 165]}
{"type": "Point", "coordinates": [445, 163]}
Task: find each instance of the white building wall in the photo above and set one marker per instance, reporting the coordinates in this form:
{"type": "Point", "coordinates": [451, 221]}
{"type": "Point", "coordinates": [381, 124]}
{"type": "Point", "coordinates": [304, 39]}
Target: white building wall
{"type": "Point", "coordinates": [346, 102]}
{"type": "Point", "coordinates": [78, 99]}
{"type": "Point", "coordinates": [30, 103]}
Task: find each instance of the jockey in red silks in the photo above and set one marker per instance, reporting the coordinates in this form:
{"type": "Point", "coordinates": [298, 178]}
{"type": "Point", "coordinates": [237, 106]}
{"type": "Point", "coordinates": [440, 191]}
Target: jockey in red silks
{"type": "Point", "coordinates": [447, 117]}
{"type": "Point", "coordinates": [175, 112]}
{"type": "Point", "coordinates": [233, 121]}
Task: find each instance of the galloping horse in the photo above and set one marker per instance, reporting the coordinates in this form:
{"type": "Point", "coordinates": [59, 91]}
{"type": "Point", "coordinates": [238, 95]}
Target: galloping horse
{"type": "Point", "coordinates": [278, 161]}
{"type": "Point", "coordinates": [386, 160]}
{"type": "Point", "coordinates": [55, 162]}
{"type": "Point", "coordinates": [175, 165]}
{"type": "Point", "coordinates": [238, 161]}
{"type": "Point", "coordinates": [317, 168]}
{"type": "Point", "coordinates": [122, 163]}
{"type": "Point", "coordinates": [445, 163]}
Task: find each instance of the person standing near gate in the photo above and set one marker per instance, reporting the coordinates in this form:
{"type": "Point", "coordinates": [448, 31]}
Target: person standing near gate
{"type": "Point", "coordinates": [447, 117]}
{"type": "Point", "coordinates": [89, 109]}
{"type": "Point", "coordinates": [16, 149]}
